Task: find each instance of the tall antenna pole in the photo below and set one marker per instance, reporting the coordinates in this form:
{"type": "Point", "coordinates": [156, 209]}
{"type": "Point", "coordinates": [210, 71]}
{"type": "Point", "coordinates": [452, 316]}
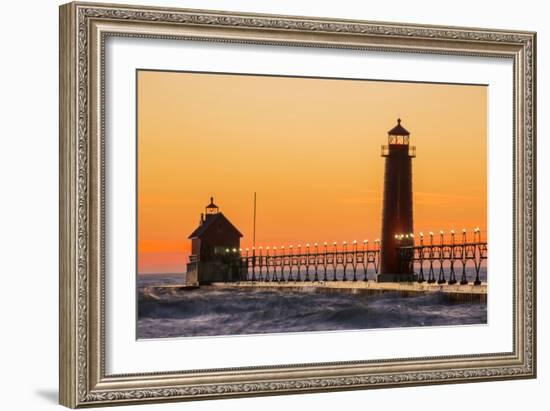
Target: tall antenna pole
{"type": "Point", "coordinates": [254, 224]}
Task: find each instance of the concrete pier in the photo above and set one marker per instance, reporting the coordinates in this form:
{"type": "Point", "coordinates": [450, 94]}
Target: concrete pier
{"type": "Point", "coordinates": [467, 293]}
{"type": "Point", "coordinates": [455, 292]}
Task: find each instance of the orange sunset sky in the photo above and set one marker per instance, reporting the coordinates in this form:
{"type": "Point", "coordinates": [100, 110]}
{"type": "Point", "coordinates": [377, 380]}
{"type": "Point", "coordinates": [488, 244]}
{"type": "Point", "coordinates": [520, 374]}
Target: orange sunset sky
{"type": "Point", "coordinates": [310, 148]}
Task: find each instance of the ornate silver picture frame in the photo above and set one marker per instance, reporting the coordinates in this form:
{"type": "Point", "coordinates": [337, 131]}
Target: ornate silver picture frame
{"type": "Point", "coordinates": [84, 30]}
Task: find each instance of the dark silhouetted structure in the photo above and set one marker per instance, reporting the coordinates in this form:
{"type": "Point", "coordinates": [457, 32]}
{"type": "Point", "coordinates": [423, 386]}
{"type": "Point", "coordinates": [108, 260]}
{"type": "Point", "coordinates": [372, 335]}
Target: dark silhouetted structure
{"type": "Point", "coordinates": [397, 211]}
{"type": "Point", "coordinates": [214, 249]}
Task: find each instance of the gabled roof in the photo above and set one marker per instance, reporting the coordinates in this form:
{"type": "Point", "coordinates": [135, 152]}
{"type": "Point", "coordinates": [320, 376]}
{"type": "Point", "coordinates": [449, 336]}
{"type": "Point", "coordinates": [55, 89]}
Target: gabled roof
{"type": "Point", "coordinates": [398, 130]}
{"type": "Point", "coordinates": [209, 222]}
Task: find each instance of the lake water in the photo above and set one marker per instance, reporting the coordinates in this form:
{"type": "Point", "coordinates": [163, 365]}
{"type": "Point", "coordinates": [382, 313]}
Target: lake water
{"type": "Point", "coordinates": [213, 311]}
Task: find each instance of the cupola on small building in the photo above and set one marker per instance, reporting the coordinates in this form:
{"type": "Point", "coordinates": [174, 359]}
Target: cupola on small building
{"type": "Point", "coordinates": [215, 244]}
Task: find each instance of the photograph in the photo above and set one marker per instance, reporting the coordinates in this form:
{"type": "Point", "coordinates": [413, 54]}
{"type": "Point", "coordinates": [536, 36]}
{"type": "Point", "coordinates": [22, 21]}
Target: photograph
{"type": "Point", "coordinates": [293, 204]}
{"type": "Point", "coordinates": [258, 203]}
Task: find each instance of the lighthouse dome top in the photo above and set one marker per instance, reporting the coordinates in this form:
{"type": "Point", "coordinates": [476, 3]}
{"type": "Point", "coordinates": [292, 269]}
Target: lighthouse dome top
{"type": "Point", "coordinates": [398, 130]}
{"type": "Point", "coordinates": [212, 208]}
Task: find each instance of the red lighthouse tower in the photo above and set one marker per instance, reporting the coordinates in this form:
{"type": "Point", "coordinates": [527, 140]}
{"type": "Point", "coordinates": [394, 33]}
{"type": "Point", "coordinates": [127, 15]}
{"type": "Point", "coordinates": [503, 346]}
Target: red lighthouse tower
{"type": "Point", "coordinates": [397, 212]}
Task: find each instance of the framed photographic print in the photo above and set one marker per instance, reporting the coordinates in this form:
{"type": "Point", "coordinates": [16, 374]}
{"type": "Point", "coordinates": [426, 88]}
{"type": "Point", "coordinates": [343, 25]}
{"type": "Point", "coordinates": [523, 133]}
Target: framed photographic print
{"type": "Point", "coordinates": [260, 204]}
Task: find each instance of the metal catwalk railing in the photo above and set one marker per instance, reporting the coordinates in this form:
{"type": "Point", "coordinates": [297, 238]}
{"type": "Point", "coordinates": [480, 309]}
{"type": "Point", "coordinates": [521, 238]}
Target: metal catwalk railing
{"type": "Point", "coordinates": [447, 261]}
{"type": "Point", "coordinates": [439, 260]}
{"type": "Point", "coordinates": [312, 263]}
